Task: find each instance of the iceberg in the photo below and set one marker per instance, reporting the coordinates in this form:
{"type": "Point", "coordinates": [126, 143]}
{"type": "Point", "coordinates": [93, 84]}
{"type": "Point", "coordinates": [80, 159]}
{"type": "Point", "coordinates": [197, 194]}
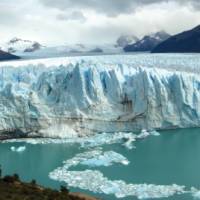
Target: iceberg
{"type": "Point", "coordinates": [67, 97]}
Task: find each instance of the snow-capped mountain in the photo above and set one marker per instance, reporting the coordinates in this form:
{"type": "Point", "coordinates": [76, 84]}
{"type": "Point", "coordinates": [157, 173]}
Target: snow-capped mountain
{"type": "Point", "coordinates": [148, 42]}
{"type": "Point", "coordinates": [19, 46]}
{"type": "Point", "coordinates": [32, 49]}
{"type": "Point", "coordinates": [76, 49]}
{"type": "Point", "coordinates": [125, 40]}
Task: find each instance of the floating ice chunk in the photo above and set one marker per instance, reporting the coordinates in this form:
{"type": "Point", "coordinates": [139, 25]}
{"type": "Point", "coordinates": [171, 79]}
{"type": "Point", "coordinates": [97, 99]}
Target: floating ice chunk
{"type": "Point", "coordinates": [195, 193]}
{"type": "Point", "coordinates": [106, 138]}
{"type": "Point", "coordinates": [154, 133]}
{"type": "Point", "coordinates": [95, 181]}
{"type": "Point", "coordinates": [144, 133]}
{"type": "Point", "coordinates": [106, 159]}
{"type": "Point", "coordinates": [127, 139]}
{"type": "Point", "coordinates": [130, 138]}
{"type": "Point", "coordinates": [12, 148]}
{"type": "Point", "coordinates": [85, 142]}
{"type": "Point", "coordinates": [96, 158]}
{"type": "Point", "coordinates": [18, 149]}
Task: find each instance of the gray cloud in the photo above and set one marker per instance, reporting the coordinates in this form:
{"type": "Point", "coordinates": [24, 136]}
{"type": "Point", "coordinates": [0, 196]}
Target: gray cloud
{"type": "Point", "coordinates": [61, 21]}
{"type": "Point", "coordinates": [74, 16]}
{"type": "Point", "coordinates": [112, 7]}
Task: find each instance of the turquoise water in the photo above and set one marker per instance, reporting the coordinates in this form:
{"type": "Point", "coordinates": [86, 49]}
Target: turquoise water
{"type": "Point", "coordinates": [172, 157]}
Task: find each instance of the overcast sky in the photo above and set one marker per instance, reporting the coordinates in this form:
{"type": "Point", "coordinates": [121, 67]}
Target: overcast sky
{"type": "Point", "coordinates": [93, 21]}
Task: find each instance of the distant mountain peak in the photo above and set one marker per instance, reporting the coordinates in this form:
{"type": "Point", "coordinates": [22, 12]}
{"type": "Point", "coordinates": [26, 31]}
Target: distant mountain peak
{"type": "Point", "coordinates": [148, 42]}
{"type": "Point", "coordinates": [160, 35]}
{"type": "Point", "coordinates": [18, 45]}
{"type": "Point", "coordinates": [14, 40]}
{"type": "Point", "coordinates": [125, 40]}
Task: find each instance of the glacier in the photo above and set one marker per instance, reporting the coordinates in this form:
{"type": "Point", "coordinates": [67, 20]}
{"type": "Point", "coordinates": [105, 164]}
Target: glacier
{"type": "Point", "coordinates": [77, 96]}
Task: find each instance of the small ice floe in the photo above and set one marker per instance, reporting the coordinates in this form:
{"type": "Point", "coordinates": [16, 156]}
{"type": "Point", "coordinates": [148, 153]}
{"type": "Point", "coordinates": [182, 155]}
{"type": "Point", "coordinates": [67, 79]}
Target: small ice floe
{"type": "Point", "coordinates": [96, 158]}
{"type": "Point", "coordinates": [195, 193]}
{"type": "Point", "coordinates": [155, 133]}
{"type": "Point", "coordinates": [144, 133]}
{"type": "Point", "coordinates": [85, 142]}
{"type": "Point", "coordinates": [106, 159]}
{"type": "Point", "coordinates": [129, 140]}
{"type": "Point", "coordinates": [124, 138]}
{"type": "Point", "coordinates": [18, 149]}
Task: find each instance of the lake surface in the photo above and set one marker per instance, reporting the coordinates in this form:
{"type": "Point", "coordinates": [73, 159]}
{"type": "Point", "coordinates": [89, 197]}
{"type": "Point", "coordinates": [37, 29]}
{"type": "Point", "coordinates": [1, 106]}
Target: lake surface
{"type": "Point", "coordinates": [173, 157]}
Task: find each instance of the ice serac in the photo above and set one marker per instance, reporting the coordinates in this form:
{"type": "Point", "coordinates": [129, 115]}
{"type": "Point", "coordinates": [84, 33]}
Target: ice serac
{"type": "Point", "coordinates": [62, 99]}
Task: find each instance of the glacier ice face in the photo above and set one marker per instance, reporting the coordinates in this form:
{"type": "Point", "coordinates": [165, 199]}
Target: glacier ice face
{"type": "Point", "coordinates": [67, 97]}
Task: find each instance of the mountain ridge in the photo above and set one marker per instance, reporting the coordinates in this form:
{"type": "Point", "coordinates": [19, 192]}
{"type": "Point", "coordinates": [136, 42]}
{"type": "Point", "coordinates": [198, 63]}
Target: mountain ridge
{"type": "Point", "coordinates": [184, 42]}
{"type": "Point", "coordinates": [148, 42]}
{"type": "Point", "coordinates": [7, 56]}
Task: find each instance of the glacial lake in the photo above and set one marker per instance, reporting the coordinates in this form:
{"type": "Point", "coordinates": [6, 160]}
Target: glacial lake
{"type": "Point", "coordinates": [173, 157]}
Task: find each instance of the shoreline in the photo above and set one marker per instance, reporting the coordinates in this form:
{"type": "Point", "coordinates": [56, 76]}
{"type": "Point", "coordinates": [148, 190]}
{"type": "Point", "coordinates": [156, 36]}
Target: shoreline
{"type": "Point", "coordinates": [11, 187]}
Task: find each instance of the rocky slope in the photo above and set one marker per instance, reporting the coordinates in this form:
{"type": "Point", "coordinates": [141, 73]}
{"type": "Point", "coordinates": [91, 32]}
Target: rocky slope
{"type": "Point", "coordinates": [11, 187]}
{"type": "Point", "coordinates": [186, 42]}
{"type": "Point", "coordinates": [63, 97]}
{"type": "Point", "coordinates": [7, 56]}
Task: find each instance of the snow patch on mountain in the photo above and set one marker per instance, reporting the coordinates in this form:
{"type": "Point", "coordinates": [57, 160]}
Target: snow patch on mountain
{"type": "Point", "coordinates": [32, 49]}
{"type": "Point", "coordinates": [19, 46]}
{"type": "Point", "coordinates": [147, 43]}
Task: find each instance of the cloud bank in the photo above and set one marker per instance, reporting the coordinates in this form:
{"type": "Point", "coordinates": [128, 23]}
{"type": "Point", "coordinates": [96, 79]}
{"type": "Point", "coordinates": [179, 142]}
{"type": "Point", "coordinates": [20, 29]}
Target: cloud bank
{"type": "Point", "coordinates": [94, 21]}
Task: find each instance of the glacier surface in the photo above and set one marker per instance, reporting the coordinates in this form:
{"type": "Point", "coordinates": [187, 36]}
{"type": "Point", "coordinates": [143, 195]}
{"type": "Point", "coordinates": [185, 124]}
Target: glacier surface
{"type": "Point", "coordinates": [66, 97]}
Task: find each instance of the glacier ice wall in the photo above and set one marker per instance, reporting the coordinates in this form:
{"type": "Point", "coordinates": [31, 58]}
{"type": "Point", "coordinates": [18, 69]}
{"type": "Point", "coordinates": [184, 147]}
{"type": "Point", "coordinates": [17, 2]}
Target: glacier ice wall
{"type": "Point", "coordinates": [65, 97]}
